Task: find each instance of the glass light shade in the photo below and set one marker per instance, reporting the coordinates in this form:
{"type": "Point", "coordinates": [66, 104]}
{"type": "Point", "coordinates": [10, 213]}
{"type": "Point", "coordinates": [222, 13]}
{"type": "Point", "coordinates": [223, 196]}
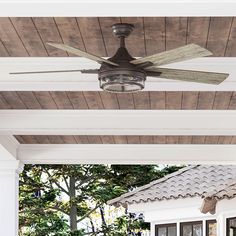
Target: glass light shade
{"type": "Point", "coordinates": [122, 83]}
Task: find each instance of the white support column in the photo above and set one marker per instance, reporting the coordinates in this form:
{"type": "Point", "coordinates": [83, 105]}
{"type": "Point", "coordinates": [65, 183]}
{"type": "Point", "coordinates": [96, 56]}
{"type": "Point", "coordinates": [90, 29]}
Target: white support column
{"type": "Point", "coordinates": [178, 228]}
{"type": "Point", "coordinates": [221, 225]}
{"type": "Point", "coordinates": [204, 228]}
{"type": "Point", "coordinates": [152, 229]}
{"type": "Point", "coordinates": [9, 182]}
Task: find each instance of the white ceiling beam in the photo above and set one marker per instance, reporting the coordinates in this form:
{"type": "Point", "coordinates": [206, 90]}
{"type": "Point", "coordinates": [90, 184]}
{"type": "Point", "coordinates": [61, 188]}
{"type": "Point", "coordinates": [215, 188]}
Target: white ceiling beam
{"type": "Point", "coordinates": [117, 8]}
{"type": "Point", "coordinates": [75, 81]}
{"type": "Point", "coordinates": [118, 122]}
{"type": "Point", "coordinates": [8, 148]}
{"type": "Point", "coordinates": [126, 154]}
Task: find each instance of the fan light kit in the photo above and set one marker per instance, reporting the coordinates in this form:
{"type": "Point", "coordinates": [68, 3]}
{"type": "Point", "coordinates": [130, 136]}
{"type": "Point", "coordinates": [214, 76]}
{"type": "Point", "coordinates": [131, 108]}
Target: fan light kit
{"type": "Point", "coordinates": [123, 74]}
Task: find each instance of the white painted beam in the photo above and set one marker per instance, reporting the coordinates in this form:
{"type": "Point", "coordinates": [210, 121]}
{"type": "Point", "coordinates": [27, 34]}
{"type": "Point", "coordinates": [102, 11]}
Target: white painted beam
{"type": "Point", "coordinates": [76, 81]}
{"type": "Point", "coordinates": [8, 148]}
{"type": "Point", "coordinates": [118, 122]}
{"type": "Point", "coordinates": [117, 8]}
{"type": "Point", "coordinates": [126, 154]}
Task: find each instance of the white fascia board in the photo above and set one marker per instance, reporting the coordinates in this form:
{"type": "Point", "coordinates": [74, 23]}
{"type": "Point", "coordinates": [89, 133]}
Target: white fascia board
{"type": "Point", "coordinates": [117, 8]}
{"type": "Point", "coordinates": [75, 81]}
{"type": "Point", "coordinates": [126, 154]}
{"type": "Point", "coordinates": [171, 211]}
{"type": "Point", "coordinates": [8, 148]}
{"type": "Point", "coordinates": [117, 122]}
{"type": "Point", "coordinates": [165, 204]}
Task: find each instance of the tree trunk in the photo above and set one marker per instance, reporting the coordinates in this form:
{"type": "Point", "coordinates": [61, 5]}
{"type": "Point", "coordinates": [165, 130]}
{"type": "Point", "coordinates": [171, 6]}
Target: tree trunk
{"type": "Point", "coordinates": [104, 224]}
{"type": "Point", "coordinates": [73, 208]}
{"type": "Point", "coordinates": [92, 225]}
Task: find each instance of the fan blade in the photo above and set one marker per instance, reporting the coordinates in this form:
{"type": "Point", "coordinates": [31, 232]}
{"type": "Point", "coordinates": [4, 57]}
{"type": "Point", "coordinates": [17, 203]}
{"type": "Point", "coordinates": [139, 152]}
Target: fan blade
{"type": "Point", "coordinates": [90, 71]}
{"type": "Point", "coordinates": [188, 75]}
{"type": "Point", "coordinates": [95, 71]}
{"type": "Point", "coordinates": [81, 53]}
{"type": "Point", "coordinates": [176, 55]}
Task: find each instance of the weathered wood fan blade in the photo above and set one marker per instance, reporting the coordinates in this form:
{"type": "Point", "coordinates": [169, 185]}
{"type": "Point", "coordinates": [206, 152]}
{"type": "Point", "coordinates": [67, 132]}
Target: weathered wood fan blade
{"type": "Point", "coordinates": [176, 55]}
{"type": "Point", "coordinates": [92, 71]}
{"type": "Point", "coordinates": [188, 75]}
{"type": "Point", "coordinates": [81, 53]}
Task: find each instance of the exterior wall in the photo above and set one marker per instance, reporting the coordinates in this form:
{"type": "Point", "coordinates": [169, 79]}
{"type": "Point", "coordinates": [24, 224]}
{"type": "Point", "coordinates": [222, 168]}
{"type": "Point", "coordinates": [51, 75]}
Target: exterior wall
{"type": "Point", "coordinates": [225, 209]}
{"type": "Point", "coordinates": [184, 210]}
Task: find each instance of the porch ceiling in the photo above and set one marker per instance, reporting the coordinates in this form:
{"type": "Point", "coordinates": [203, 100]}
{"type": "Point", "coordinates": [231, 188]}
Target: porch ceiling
{"type": "Point", "coordinates": [149, 100]}
{"type": "Point", "coordinates": [27, 36]}
{"type": "Point", "coordinates": [154, 100]}
{"type": "Point", "coordinates": [123, 139]}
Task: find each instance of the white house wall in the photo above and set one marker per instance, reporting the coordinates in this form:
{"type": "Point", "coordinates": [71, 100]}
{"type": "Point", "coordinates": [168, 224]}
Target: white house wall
{"type": "Point", "coordinates": [184, 210]}
{"type": "Point", "coordinates": [225, 209]}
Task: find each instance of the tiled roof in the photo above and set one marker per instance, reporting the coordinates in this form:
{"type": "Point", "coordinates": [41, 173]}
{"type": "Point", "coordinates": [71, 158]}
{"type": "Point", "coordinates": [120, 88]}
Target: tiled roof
{"type": "Point", "coordinates": [200, 180]}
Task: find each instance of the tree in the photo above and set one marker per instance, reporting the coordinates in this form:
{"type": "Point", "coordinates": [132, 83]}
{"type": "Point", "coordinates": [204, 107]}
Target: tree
{"type": "Point", "coordinates": [65, 196]}
{"type": "Point", "coordinates": [37, 218]}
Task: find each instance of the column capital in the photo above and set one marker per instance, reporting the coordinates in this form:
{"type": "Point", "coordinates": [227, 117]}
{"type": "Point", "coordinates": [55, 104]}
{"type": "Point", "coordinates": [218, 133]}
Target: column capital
{"type": "Point", "coordinates": [11, 166]}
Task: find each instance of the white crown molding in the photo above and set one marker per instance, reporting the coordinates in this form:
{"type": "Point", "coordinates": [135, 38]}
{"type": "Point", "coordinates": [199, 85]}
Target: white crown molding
{"type": "Point", "coordinates": [118, 122]}
{"type": "Point", "coordinates": [11, 166]}
{"type": "Point", "coordinates": [126, 154]}
{"type": "Point", "coordinates": [117, 8]}
{"type": "Point", "coordinates": [81, 82]}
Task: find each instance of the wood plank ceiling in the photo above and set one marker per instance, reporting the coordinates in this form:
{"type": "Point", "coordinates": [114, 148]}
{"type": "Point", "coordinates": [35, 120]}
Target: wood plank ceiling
{"type": "Point", "coordinates": [27, 37]}
{"type": "Point", "coordinates": [95, 139]}
{"type": "Point", "coordinates": [102, 100]}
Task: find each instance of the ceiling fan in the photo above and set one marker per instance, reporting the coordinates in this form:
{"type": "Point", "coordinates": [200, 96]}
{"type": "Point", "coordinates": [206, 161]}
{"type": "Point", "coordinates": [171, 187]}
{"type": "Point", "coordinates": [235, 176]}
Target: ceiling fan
{"type": "Point", "coordinates": [122, 73]}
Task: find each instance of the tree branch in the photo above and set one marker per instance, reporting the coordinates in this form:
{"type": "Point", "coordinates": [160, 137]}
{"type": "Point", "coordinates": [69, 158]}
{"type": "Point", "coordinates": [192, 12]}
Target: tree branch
{"type": "Point", "coordinates": [58, 185]}
{"type": "Point", "coordinates": [84, 181]}
{"type": "Point", "coordinates": [58, 209]}
{"type": "Point", "coordinates": [67, 185]}
{"type": "Point", "coordinates": [88, 213]}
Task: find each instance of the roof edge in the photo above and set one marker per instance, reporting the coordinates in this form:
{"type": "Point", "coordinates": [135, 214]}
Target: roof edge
{"type": "Point", "coordinates": [214, 194]}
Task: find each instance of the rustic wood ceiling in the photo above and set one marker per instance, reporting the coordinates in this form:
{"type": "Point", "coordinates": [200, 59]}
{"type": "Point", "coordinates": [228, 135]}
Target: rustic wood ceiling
{"type": "Point", "coordinates": [27, 36]}
{"type": "Point", "coordinates": [91, 139]}
{"type": "Point", "coordinates": [24, 37]}
{"type": "Point", "coordinates": [103, 100]}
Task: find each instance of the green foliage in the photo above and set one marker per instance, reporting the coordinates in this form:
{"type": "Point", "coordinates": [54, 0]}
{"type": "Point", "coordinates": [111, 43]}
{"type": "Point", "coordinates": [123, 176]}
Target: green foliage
{"type": "Point", "coordinates": [126, 225]}
{"type": "Point", "coordinates": [50, 193]}
{"type": "Point", "coordinates": [36, 216]}
{"type": "Point", "coordinates": [49, 225]}
{"type": "Point", "coordinates": [77, 233]}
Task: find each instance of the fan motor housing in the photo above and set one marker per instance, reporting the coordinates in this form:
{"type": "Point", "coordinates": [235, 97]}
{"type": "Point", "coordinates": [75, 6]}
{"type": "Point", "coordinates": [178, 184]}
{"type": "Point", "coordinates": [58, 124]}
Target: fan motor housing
{"type": "Point", "coordinates": [126, 77]}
